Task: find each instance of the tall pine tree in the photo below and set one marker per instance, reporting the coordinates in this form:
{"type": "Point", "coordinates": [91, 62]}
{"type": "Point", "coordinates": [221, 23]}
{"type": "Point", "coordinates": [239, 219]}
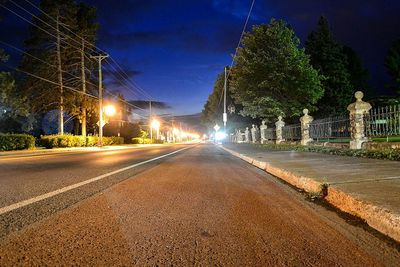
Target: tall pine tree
{"type": "Point", "coordinates": [392, 64]}
{"type": "Point", "coordinates": [76, 30]}
{"type": "Point", "coordinates": [327, 56]}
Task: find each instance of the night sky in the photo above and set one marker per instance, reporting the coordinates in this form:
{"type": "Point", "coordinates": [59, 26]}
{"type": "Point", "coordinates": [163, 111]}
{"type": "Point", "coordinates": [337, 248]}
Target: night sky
{"type": "Point", "coordinates": [174, 49]}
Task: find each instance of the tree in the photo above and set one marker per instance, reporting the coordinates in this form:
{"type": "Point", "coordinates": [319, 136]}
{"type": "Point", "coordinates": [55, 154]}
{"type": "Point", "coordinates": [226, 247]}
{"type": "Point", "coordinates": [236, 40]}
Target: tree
{"type": "Point", "coordinates": [213, 109]}
{"type": "Point", "coordinates": [358, 74]}
{"type": "Point", "coordinates": [77, 33]}
{"type": "Point", "coordinates": [14, 116]}
{"type": "Point", "coordinates": [392, 64]}
{"type": "Point", "coordinates": [327, 56]}
{"type": "Point", "coordinates": [272, 75]}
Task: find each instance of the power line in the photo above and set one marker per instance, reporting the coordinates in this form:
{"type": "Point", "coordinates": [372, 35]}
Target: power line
{"type": "Point", "coordinates": [35, 25]}
{"type": "Point", "coordinates": [237, 47]}
{"type": "Point", "coordinates": [241, 36]}
{"type": "Point", "coordinates": [41, 60]}
{"type": "Point", "coordinates": [49, 81]}
{"type": "Point", "coordinates": [126, 78]}
{"type": "Point", "coordinates": [132, 83]}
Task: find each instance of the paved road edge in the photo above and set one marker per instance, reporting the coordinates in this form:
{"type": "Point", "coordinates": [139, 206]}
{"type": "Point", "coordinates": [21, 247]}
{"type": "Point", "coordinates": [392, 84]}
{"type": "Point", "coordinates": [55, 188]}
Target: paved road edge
{"type": "Point", "coordinates": [378, 217]}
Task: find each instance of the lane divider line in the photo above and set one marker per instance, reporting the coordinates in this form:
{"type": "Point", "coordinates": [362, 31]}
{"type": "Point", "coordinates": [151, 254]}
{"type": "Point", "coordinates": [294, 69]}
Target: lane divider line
{"type": "Point", "coordinates": [70, 187]}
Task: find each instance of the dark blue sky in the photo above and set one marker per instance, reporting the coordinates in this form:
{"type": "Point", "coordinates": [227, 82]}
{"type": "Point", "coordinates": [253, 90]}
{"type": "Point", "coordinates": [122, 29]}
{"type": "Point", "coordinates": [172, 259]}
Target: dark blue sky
{"type": "Point", "coordinates": [174, 49]}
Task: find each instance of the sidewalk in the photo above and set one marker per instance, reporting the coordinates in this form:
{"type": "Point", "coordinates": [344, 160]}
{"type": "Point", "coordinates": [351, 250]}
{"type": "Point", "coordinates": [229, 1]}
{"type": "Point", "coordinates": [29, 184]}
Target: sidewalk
{"type": "Point", "coordinates": [367, 188]}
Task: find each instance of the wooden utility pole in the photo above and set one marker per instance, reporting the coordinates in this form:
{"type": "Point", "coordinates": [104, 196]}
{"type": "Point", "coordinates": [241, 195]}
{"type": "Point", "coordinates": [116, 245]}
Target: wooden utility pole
{"type": "Point", "coordinates": [60, 81]}
{"type": "Point", "coordinates": [99, 58]}
{"type": "Point", "coordinates": [83, 87]}
{"type": "Point", "coordinates": [150, 126]}
{"type": "Point", "coordinates": [224, 115]}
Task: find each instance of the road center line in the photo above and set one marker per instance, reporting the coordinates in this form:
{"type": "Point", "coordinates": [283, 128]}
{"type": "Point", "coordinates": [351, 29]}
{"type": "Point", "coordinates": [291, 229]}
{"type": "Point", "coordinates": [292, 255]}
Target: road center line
{"type": "Point", "coordinates": [70, 187]}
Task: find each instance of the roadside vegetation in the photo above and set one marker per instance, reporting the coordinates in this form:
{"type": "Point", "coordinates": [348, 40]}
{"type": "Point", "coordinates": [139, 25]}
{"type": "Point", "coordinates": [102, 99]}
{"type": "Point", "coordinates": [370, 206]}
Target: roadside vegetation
{"type": "Point", "coordinates": [16, 142]}
{"type": "Point", "coordinates": [387, 154]}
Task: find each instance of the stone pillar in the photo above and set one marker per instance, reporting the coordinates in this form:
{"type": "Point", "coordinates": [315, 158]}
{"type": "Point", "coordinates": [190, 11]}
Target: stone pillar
{"type": "Point", "coordinates": [253, 134]}
{"type": "Point", "coordinates": [263, 128]}
{"type": "Point", "coordinates": [247, 135]}
{"type": "Point", "coordinates": [279, 125]}
{"type": "Point", "coordinates": [305, 127]}
{"type": "Point", "coordinates": [358, 110]}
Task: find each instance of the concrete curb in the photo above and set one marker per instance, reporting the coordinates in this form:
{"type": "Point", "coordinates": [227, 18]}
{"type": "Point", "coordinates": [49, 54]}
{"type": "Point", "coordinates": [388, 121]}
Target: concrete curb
{"type": "Point", "coordinates": [380, 218]}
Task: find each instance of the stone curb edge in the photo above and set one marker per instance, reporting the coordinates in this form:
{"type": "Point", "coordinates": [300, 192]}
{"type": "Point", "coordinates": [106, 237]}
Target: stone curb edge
{"type": "Point", "coordinates": [379, 218]}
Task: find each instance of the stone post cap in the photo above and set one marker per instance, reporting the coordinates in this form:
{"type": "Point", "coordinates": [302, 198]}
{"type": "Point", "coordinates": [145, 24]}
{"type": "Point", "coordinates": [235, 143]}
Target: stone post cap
{"type": "Point", "coordinates": [359, 95]}
{"type": "Point", "coordinates": [359, 105]}
{"type": "Point", "coordinates": [305, 111]}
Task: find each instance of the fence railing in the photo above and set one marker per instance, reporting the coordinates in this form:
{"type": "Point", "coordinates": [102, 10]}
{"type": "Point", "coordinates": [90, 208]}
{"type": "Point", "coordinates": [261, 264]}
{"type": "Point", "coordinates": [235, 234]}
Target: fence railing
{"type": "Point", "coordinates": [383, 121]}
{"type": "Point", "coordinates": [270, 134]}
{"type": "Point", "coordinates": [379, 122]}
{"type": "Point", "coordinates": [291, 132]}
{"type": "Point", "coordinates": [330, 128]}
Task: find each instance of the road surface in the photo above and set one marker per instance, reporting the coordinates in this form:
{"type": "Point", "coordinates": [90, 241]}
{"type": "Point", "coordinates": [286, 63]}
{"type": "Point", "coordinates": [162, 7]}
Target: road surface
{"type": "Point", "coordinates": [199, 206]}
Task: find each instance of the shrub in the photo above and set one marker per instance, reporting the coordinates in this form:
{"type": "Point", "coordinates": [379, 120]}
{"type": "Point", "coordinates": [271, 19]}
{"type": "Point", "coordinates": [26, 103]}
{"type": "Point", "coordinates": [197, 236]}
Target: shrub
{"type": "Point", "coordinates": [113, 140]}
{"type": "Point", "coordinates": [68, 140]}
{"type": "Point", "coordinates": [140, 140]}
{"type": "Point", "coordinates": [388, 154]}
{"type": "Point", "coordinates": [92, 140]}
{"type": "Point", "coordinates": [16, 141]}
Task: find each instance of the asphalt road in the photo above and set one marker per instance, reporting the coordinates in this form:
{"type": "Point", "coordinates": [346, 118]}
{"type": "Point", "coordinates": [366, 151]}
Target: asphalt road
{"type": "Point", "coordinates": [200, 206]}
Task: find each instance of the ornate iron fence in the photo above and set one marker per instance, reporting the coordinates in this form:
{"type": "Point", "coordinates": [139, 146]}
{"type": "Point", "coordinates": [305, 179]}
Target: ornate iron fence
{"type": "Point", "coordinates": [383, 121]}
{"type": "Point", "coordinates": [291, 132]}
{"type": "Point", "coordinates": [330, 128]}
{"type": "Point", "coordinates": [270, 134]}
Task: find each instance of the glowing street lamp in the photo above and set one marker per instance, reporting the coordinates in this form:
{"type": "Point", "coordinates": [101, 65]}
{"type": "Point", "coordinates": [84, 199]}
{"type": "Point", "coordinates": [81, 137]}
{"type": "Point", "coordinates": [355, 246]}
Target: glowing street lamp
{"type": "Point", "coordinates": [109, 110]}
{"type": "Point", "coordinates": [155, 124]}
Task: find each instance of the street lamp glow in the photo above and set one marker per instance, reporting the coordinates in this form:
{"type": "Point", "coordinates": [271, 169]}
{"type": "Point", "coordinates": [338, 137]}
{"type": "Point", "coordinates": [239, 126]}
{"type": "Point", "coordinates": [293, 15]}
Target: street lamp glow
{"type": "Point", "coordinates": [220, 136]}
{"type": "Point", "coordinates": [155, 124]}
{"type": "Point", "coordinates": [109, 110]}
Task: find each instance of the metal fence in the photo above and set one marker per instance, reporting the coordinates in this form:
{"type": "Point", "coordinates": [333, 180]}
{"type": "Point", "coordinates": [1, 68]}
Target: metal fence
{"type": "Point", "coordinates": [383, 121]}
{"type": "Point", "coordinates": [379, 122]}
{"type": "Point", "coordinates": [291, 132]}
{"type": "Point", "coordinates": [270, 134]}
{"type": "Point", "coordinates": [330, 128]}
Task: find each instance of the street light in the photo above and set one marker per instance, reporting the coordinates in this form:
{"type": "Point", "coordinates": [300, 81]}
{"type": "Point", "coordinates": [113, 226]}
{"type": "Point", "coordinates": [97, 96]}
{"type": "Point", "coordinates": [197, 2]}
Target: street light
{"type": "Point", "coordinates": [109, 110]}
{"type": "Point", "coordinates": [156, 125]}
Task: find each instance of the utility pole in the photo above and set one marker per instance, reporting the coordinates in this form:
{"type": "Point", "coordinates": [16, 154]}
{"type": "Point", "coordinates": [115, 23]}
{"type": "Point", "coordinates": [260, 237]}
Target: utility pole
{"type": "Point", "coordinates": [173, 129]}
{"type": "Point", "coordinates": [225, 116]}
{"type": "Point", "coordinates": [150, 126]}
{"type": "Point", "coordinates": [83, 87]}
{"type": "Point", "coordinates": [60, 81]}
{"type": "Point", "coordinates": [99, 58]}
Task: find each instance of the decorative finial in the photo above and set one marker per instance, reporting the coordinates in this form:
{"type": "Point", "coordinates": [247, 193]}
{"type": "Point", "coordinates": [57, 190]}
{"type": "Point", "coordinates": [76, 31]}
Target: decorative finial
{"type": "Point", "coordinates": [359, 95]}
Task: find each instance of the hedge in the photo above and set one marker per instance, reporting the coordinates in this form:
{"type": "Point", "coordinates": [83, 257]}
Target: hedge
{"type": "Point", "coordinates": [140, 140]}
{"type": "Point", "coordinates": [68, 140]}
{"type": "Point", "coordinates": [388, 154]}
{"type": "Point", "coordinates": [16, 141]}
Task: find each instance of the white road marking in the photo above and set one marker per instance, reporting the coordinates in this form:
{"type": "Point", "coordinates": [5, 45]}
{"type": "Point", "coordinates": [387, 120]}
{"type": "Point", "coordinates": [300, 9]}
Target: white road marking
{"type": "Point", "coordinates": [70, 187]}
